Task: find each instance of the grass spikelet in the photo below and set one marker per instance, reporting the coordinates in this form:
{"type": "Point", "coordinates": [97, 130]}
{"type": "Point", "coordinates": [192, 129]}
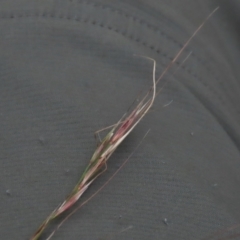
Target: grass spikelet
{"type": "Point", "coordinates": [98, 162]}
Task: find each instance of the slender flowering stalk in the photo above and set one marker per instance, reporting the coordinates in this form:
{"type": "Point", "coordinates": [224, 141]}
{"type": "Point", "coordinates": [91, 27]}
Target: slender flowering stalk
{"type": "Point", "coordinates": [98, 163]}
{"type": "Point", "coordinates": [108, 145]}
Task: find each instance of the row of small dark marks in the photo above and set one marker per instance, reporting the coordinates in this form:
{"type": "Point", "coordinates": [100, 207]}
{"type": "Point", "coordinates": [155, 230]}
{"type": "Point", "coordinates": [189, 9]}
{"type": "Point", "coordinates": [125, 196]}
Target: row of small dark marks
{"type": "Point", "coordinates": [122, 13]}
{"type": "Point", "coordinates": [151, 27]}
{"type": "Point", "coordinates": [79, 19]}
{"type": "Point", "coordinates": [129, 16]}
{"type": "Point", "coordinates": [4, 15]}
{"type": "Point", "coordinates": [123, 33]}
{"type": "Point", "coordinates": [93, 22]}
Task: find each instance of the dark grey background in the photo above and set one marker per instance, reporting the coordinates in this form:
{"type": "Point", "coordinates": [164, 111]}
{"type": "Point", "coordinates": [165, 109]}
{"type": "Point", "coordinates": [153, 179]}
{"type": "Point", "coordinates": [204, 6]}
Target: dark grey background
{"type": "Point", "coordinates": [67, 69]}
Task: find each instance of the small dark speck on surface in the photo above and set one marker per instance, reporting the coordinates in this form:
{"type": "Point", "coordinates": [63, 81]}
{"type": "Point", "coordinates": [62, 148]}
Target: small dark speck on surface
{"type": "Point", "coordinates": [8, 192]}
{"type": "Point", "coordinates": [42, 140]}
{"type": "Point", "coordinates": [67, 171]}
{"type": "Point", "coordinates": [118, 216]}
{"type": "Point", "coordinates": [165, 221]}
